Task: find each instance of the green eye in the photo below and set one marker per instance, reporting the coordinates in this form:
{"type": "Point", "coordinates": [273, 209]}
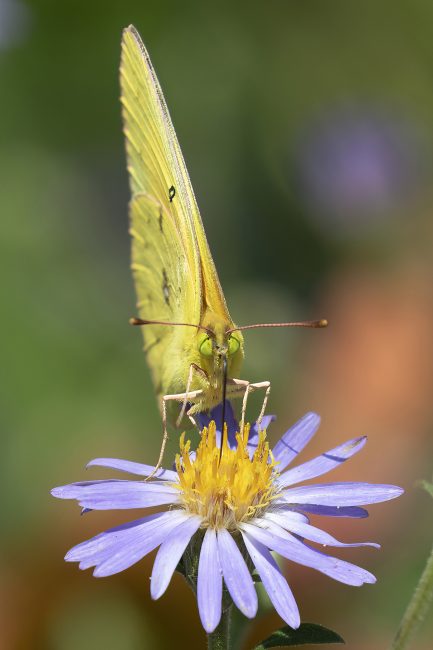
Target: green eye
{"type": "Point", "coordinates": [233, 345]}
{"type": "Point", "coordinates": [206, 347]}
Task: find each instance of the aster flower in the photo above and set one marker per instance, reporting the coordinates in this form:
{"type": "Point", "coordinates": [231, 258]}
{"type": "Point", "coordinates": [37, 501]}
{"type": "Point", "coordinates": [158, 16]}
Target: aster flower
{"type": "Point", "coordinates": [230, 509]}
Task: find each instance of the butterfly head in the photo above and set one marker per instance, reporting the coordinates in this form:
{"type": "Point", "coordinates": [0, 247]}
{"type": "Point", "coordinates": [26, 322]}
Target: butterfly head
{"type": "Point", "coordinates": [211, 346]}
{"type": "Point", "coordinates": [219, 347]}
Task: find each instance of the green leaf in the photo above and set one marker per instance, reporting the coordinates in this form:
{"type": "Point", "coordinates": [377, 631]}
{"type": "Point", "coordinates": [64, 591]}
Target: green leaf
{"type": "Point", "coordinates": [428, 487]}
{"type": "Point", "coordinates": [307, 633]}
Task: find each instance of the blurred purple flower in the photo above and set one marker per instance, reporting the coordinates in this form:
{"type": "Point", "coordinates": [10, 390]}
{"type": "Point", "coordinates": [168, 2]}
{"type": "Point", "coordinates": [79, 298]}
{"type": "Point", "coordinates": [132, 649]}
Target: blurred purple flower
{"type": "Point", "coordinates": [239, 506]}
{"type": "Point", "coordinates": [357, 166]}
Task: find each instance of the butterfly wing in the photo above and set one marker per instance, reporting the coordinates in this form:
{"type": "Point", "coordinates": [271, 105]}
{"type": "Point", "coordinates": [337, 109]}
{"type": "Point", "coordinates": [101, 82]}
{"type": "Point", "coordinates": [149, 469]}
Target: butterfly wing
{"type": "Point", "coordinates": [174, 273]}
{"type": "Point", "coordinates": [160, 269]}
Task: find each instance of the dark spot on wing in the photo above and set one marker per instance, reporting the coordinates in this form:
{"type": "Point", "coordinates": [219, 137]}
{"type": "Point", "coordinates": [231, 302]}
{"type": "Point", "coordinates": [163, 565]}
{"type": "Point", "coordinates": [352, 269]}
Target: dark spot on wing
{"type": "Point", "coordinates": [171, 193]}
{"type": "Point", "coordinates": [160, 219]}
{"type": "Point", "coordinates": [165, 288]}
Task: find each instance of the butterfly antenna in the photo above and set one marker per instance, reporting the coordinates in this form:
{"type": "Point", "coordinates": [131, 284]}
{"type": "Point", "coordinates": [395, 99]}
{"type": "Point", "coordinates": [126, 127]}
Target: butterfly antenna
{"type": "Point", "coordinates": [140, 321]}
{"type": "Point", "coordinates": [224, 404]}
{"type": "Point", "coordinates": [315, 324]}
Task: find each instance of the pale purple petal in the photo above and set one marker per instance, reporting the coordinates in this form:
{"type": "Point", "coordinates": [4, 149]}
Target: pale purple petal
{"type": "Point", "coordinates": [209, 583]}
{"type": "Point", "coordinates": [117, 494]}
{"type": "Point", "coordinates": [101, 548]}
{"type": "Point", "coordinates": [253, 438]}
{"type": "Point", "coordinates": [293, 514]}
{"type": "Point", "coordinates": [135, 548]}
{"type": "Point", "coordinates": [335, 511]}
{"type": "Point", "coordinates": [295, 439]}
{"type": "Point", "coordinates": [236, 574]}
{"type": "Point", "coordinates": [323, 463]}
{"type": "Point", "coordinates": [93, 548]}
{"type": "Point", "coordinates": [103, 540]}
{"type": "Point", "coordinates": [273, 581]}
{"type": "Point", "coordinates": [134, 468]}
{"type": "Point", "coordinates": [307, 531]}
{"type": "Point", "coordinates": [341, 494]}
{"type": "Point", "coordinates": [120, 547]}
{"type": "Point", "coordinates": [170, 553]}
{"type": "Point", "coordinates": [72, 490]}
{"type": "Point", "coordinates": [277, 539]}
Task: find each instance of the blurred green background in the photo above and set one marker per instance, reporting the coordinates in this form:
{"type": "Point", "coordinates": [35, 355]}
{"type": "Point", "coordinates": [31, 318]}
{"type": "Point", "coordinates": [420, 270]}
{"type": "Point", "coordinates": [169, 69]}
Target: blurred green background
{"type": "Point", "coordinates": [308, 133]}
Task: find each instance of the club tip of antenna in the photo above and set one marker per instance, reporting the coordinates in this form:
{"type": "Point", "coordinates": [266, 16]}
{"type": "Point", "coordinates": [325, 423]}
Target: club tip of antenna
{"type": "Point", "coordinates": [135, 321]}
{"type": "Point", "coordinates": [322, 323]}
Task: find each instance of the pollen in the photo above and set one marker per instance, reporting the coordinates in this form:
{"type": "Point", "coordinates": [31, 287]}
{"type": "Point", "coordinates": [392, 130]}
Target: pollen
{"type": "Point", "coordinates": [226, 487]}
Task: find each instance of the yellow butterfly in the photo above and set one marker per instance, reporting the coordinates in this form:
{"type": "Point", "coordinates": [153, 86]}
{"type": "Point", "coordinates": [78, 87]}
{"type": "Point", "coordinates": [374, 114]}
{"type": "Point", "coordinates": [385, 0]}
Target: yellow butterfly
{"type": "Point", "coordinates": [193, 347]}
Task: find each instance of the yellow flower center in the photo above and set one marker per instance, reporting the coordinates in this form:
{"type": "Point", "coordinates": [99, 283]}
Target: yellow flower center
{"type": "Point", "coordinates": [229, 487]}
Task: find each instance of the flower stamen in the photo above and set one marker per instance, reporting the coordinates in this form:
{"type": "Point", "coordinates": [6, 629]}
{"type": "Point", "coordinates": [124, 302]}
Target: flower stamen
{"type": "Point", "coordinates": [228, 489]}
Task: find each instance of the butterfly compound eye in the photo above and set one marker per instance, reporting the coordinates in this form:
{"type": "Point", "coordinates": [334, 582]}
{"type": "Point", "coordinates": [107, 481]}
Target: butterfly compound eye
{"type": "Point", "coordinates": [233, 345]}
{"type": "Point", "coordinates": [206, 347]}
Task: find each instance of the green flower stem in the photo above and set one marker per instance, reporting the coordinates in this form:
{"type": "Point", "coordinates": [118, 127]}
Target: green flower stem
{"type": "Point", "coordinates": [220, 638]}
{"type": "Point", "coordinates": [417, 609]}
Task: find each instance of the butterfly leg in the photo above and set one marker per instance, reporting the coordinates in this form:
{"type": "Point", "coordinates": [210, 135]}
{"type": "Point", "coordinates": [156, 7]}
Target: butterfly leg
{"type": "Point", "coordinates": [246, 387]}
{"type": "Point", "coordinates": [179, 397]}
{"type": "Point", "coordinates": [244, 406]}
{"type": "Point", "coordinates": [194, 368]}
{"type": "Point", "coordinates": [194, 423]}
{"type": "Point", "coordinates": [267, 386]}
